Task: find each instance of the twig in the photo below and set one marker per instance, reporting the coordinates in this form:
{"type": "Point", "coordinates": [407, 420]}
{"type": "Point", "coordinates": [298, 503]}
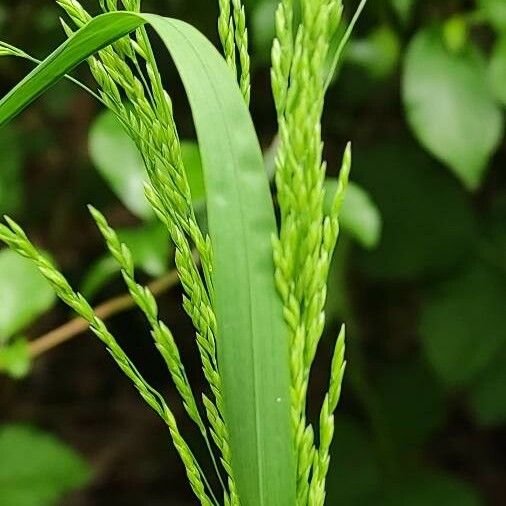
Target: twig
{"type": "Point", "coordinates": [104, 311]}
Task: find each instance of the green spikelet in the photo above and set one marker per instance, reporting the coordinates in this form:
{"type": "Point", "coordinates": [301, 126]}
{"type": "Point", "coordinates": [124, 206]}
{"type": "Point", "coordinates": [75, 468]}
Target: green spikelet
{"type": "Point", "coordinates": [307, 238]}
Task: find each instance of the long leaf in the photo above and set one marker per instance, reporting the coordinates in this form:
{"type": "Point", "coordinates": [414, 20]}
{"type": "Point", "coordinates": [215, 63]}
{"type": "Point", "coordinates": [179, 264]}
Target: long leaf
{"type": "Point", "coordinates": [252, 343]}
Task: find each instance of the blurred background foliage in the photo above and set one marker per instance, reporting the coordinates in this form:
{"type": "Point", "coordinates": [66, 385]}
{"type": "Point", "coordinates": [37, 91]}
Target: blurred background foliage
{"type": "Point", "coordinates": [419, 275]}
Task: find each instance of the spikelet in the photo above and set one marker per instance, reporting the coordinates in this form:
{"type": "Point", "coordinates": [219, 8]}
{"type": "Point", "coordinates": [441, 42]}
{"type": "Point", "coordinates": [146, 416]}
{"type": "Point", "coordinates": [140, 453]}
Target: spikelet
{"type": "Point", "coordinates": [307, 238]}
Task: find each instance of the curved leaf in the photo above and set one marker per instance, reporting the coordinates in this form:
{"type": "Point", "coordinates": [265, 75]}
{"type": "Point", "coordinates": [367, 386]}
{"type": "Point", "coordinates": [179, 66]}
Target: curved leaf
{"type": "Point", "coordinates": [450, 107]}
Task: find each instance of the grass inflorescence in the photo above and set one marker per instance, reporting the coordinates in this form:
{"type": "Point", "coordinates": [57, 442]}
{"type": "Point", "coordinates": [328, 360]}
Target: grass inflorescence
{"type": "Point", "coordinates": [129, 83]}
{"type": "Point", "coordinates": [307, 238]}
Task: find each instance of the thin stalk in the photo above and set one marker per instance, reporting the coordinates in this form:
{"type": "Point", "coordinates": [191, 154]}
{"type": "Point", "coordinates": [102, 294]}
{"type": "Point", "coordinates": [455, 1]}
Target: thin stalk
{"type": "Point", "coordinates": [106, 310]}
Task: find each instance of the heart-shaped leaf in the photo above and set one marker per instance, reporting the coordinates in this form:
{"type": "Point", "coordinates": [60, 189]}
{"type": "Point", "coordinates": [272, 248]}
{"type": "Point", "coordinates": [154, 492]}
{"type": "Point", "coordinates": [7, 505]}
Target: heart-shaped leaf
{"type": "Point", "coordinates": [449, 105]}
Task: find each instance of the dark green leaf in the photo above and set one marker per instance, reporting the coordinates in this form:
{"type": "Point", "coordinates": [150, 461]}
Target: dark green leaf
{"type": "Point", "coordinates": [254, 366]}
{"type": "Point", "coordinates": [463, 325]}
{"type": "Point", "coordinates": [412, 403]}
{"type": "Point", "coordinates": [11, 187]}
{"type": "Point", "coordinates": [450, 107]}
{"type": "Point", "coordinates": [495, 11]}
{"type": "Point", "coordinates": [337, 303]}
{"type": "Point", "coordinates": [355, 474]}
{"type": "Point", "coordinates": [428, 225]}
{"type": "Point", "coordinates": [36, 469]}
{"type": "Point", "coordinates": [486, 397]}
{"type": "Point", "coordinates": [404, 9]}
{"type": "Point", "coordinates": [24, 293]}
{"type": "Point", "coordinates": [263, 27]}
{"type": "Point", "coordinates": [430, 488]}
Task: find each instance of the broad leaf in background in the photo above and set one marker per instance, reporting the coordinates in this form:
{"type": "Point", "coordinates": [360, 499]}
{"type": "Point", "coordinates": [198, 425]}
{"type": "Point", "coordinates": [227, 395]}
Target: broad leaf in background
{"type": "Point", "coordinates": [404, 9]}
{"type": "Point", "coordinates": [117, 158]}
{"type": "Point", "coordinates": [360, 217]}
{"type": "Point", "coordinates": [493, 232]}
{"type": "Point", "coordinates": [149, 245]}
{"type": "Point", "coordinates": [263, 27]}
{"type": "Point", "coordinates": [495, 11]}
{"type": "Point", "coordinates": [11, 163]}
{"type": "Point", "coordinates": [24, 294]}
{"type": "Point", "coordinates": [337, 304]}
{"type": "Point", "coordinates": [497, 70]}
{"type": "Point", "coordinates": [430, 488]}
{"type": "Point", "coordinates": [449, 105]}
{"type": "Point", "coordinates": [463, 326]}
{"type": "Point", "coordinates": [98, 275]}
{"type": "Point", "coordinates": [355, 470]}
{"type": "Point", "coordinates": [360, 481]}
{"type": "Point", "coordinates": [378, 53]}
{"type": "Point", "coordinates": [428, 225]}
{"type": "Point", "coordinates": [412, 404]}
{"type": "Point", "coordinates": [15, 360]}
{"type": "Point", "coordinates": [487, 398]}
{"type": "Point", "coordinates": [36, 469]}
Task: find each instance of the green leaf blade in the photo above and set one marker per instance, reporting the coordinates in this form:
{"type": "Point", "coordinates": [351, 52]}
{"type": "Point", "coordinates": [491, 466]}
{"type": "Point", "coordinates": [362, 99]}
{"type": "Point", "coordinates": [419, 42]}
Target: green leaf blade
{"type": "Point", "coordinates": [252, 346]}
{"type": "Point", "coordinates": [99, 33]}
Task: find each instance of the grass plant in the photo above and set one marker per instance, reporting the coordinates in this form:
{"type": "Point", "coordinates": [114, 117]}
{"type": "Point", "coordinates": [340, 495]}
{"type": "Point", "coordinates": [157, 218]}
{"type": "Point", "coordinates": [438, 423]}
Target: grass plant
{"type": "Point", "coordinates": [255, 292]}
